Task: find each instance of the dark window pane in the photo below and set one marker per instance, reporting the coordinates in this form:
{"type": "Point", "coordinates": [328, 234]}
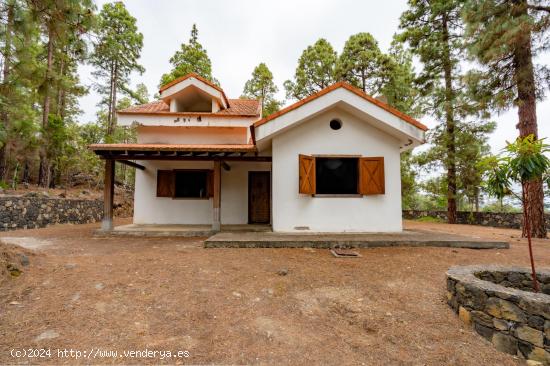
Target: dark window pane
{"type": "Point", "coordinates": [191, 184]}
{"type": "Point", "coordinates": [336, 175]}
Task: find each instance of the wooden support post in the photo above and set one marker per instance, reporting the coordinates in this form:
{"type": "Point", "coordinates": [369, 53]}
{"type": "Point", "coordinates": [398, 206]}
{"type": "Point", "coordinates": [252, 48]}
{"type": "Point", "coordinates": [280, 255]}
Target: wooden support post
{"type": "Point", "coordinates": [108, 195]}
{"type": "Point", "coordinates": [216, 219]}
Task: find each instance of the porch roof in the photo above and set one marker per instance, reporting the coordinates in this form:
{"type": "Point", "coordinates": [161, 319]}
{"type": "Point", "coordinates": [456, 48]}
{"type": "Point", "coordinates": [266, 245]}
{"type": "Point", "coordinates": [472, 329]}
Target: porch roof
{"type": "Point", "coordinates": [170, 151]}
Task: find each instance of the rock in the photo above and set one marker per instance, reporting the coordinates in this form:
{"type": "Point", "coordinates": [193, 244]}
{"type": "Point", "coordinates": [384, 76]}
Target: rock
{"type": "Point", "coordinates": [505, 343]}
{"type": "Point", "coordinates": [525, 348]}
{"type": "Point", "coordinates": [536, 322]}
{"type": "Point", "coordinates": [530, 335]}
{"type": "Point", "coordinates": [62, 195]}
{"type": "Point", "coordinates": [72, 266]}
{"type": "Point", "coordinates": [236, 294]}
{"type": "Point", "coordinates": [282, 272]}
{"type": "Point", "coordinates": [484, 331]}
{"type": "Point", "coordinates": [99, 286]}
{"type": "Point", "coordinates": [504, 309]}
{"type": "Point", "coordinates": [49, 334]}
{"type": "Point", "coordinates": [539, 354]}
{"type": "Point", "coordinates": [13, 270]}
{"type": "Point", "coordinates": [501, 324]}
{"type": "Point", "coordinates": [45, 194]}
{"type": "Point", "coordinates": [534, 363]}
{"type": "Point", "coordinates": [23, 259]}
{"type": "Point", "coordinates": [464, 315]}
{"type": "Point", "coordinates": [482, 318]}
{"type": "Point", "coordinates": [539, 307]}
{"type": "Point", "coordinates": [547, 329]}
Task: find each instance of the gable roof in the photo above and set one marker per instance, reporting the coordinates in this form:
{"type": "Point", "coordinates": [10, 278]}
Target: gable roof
{"type": "Point", "coordinates": [198, 77]}
{"type": "Point", "coordinates": [238, 107]}
{"type": "Point", "coordinates": [358, 92]}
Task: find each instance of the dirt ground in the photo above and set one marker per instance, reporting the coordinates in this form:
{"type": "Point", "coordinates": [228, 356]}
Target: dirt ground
{"type": "Point", "coordinates": [241, 306]}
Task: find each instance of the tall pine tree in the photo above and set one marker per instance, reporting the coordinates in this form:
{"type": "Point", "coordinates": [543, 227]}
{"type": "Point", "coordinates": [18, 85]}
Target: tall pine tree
{"type": "Point", "coordinates": [58, 20]}
{"type": "Point", "coordinates": [315, 71]}
{"type": "Point", "coordinates": [115, 55]}
{"type": "Point", "coordinates": [505, 36]}
{"type": "Point", "coordinates": [433, 30]}
{"type": "Point", "coordinates": [191, 57]}
{"type": "Point", "coordinates": [262, 87]}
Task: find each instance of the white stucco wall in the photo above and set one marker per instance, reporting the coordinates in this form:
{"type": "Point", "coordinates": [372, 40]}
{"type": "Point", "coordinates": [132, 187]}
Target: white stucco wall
{"type": "Point", "coordinates": [149, 209]}
{"type": "Point", "coordinates": [379, 213]}
{"type": "Point", "coordinates": [192, 135]}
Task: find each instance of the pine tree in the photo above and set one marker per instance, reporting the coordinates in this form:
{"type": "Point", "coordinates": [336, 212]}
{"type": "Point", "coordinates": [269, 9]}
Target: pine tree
{"type": "Point", "coordinates": [504, 36]}
{"type": "Point", "coordinates": [315, 71]}
{"type": "Point", "coordinates": [433, 31]}
{"type": "Point", "coordinates": [58, 20]}
{"type": "Point", "coordinates": [361, 63]}
{"type": "Point", "coordinates": [19, 48]}
{"type": "Point", "coordinates": [262, 87]}
{"type": "Point", "coordinates": [115, 55]}
{"type": "Point", "coordinates": [191, 57]}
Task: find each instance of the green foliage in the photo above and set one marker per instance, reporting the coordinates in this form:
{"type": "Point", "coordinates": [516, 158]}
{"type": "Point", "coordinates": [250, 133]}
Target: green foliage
{"type": "Point", "coordinates": [191, 57]}
{"type": "Point", "coordinates": [497, 32]}
{"type": "Point", "coordinates": [522, 161]}
{"type": "Point", "coordinates": [262, 87]}
{"type": "Point", "coordinates": [115, 56]}
{"type": "Point", "coordinates": [362, 63]}
{"type": "Point", "coordinates": [315, 71]}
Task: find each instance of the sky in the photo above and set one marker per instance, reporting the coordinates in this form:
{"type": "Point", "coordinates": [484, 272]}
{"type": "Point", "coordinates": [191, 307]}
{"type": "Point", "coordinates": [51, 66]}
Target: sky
{"type": "Point", "coordinates": [240, 34]}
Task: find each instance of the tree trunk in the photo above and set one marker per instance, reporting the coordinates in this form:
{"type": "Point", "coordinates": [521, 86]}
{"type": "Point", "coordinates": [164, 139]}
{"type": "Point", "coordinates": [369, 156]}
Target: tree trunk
{"type": "Point", "coordinates": [110, 112]}
{"type": "Point", "coordinates": [113, 109]}
{"type": "Point", "coordinates": [450, 127]}
{"type": "Point", "coordinates": [5, 89]}
{"type": "Point", "coordinates": [527, 125]}
{"type": "Point", "coordinates": [44, 172]}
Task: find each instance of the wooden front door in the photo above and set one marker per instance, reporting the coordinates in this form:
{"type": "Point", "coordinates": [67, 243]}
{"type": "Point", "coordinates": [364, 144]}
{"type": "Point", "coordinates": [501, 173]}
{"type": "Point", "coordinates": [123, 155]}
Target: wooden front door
{"type": "Point", "coordinates": [259, 197]}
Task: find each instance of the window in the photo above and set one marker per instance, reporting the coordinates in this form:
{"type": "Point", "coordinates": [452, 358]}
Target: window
{"type": "Point", "coordinates": [190, 184]}
{"type": "Point", "coordinates": [336, 175]}
{"type": "Point", "coordinates": [184, 183]}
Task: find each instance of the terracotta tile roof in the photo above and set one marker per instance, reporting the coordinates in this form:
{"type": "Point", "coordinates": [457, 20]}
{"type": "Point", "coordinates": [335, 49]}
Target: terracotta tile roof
{"type": "Point", "coordinates": [238, 107]}
{"type": "Point", "coordinates": [352, 89]}
{"type": "Point", "coordinates": [173, 147]}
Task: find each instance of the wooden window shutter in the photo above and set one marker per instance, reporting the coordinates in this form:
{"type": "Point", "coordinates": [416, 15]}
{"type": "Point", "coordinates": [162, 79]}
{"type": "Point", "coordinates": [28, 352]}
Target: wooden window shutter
{"type": "Point", "coordinates": [371, 176]}
{"type": "Point", "coordinates": [165, 183]}
{"type": "Point", "coordinates": [210, 184]}
{"type": "Point", "coordinates": [306, 174]}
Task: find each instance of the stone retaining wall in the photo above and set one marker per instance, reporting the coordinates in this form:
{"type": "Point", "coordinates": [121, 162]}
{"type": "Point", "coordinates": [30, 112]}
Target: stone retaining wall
{"type": "Point", "coordinates": [496, 219]}
{"type": "Point", "coordinates": [29, 211]}
{"type": "Point", "coordinates": [515, 321]}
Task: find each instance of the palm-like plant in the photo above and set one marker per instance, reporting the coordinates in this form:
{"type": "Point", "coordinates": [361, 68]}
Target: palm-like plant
{"type": "Point", "coordinates": [525, 160]}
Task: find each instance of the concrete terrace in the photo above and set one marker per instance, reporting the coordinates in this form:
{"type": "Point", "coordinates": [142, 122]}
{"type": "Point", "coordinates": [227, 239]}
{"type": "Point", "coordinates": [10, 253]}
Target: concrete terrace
{"type": "Point", "coordinates": [261, 236]}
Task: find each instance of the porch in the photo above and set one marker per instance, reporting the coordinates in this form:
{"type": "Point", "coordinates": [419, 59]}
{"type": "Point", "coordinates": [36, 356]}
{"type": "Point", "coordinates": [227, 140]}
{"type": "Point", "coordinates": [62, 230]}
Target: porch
{"type": "Point", "coordinates": [149, 230]}
{"type": "Point", "coordinates": [179, 188]}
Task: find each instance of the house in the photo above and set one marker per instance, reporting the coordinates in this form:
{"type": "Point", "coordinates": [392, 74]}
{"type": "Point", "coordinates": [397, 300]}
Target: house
{"type": "Point", "coordinates": [328, 163]}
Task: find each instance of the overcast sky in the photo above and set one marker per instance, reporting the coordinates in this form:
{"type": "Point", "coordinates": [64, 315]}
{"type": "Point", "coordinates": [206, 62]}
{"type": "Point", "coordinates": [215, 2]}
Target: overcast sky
{"type": "Point", "coordinates": [238, 35]}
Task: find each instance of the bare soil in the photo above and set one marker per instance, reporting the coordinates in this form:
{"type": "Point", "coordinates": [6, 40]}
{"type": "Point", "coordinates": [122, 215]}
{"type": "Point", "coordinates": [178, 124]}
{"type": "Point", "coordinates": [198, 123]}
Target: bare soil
{"type": "Point", "coordinates": [244, 306]}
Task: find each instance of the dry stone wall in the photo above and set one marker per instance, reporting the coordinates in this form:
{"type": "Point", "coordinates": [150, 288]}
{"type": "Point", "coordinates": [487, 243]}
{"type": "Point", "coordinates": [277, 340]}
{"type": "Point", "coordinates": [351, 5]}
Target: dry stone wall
{"type": "Point", "coordinates": [496, 219]}
{"type": "Point", "coordinates": [499, 304]}
{"type": "Point", "coordinates": [30, 211]}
